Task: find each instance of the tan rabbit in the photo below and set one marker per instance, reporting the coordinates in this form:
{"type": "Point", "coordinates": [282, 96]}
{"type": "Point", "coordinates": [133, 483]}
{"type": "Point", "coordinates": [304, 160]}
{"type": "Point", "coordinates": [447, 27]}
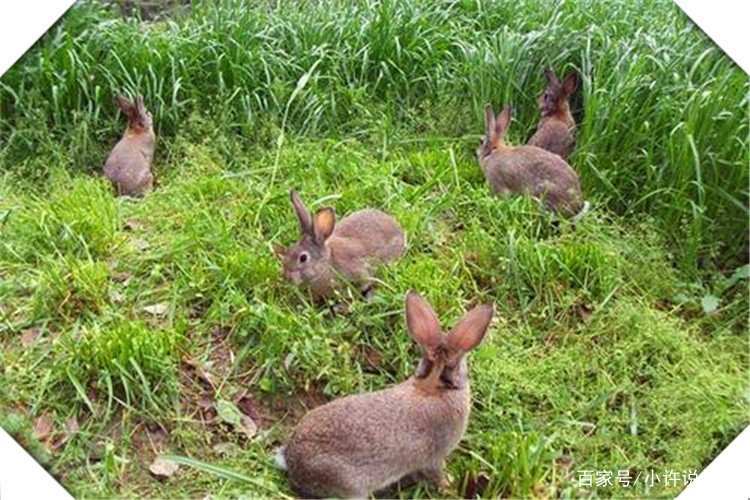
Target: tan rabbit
{"type": "Point", "coordinates": [557, 129]}
{"type": "Point", "coordinates": [128, 165]}
{"type": "Point", "coordinates": [360, 444]}
{"type": "Point", "coordinates": [515, 170]}
{"type": "Point", "coordinates": [350, 249]}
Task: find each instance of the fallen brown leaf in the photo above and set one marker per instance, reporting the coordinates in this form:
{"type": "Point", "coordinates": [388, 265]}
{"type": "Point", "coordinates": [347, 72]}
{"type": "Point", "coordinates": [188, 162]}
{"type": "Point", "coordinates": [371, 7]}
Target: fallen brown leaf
{"type": "Point", "coordinates": [160, 309]}
{"type": "Point", "coordinates": [71, 429]}
{"type": "Point", "coordinates": [122, 276]}
{"type": "Point", "coordinates": [163, 468]}
{"type": "Point", "coordinates": [29, 336]}
{"type": "Point", "coordinates": [584, 312]}
{"type": "Point", "coordinates": [249, 406]}
{"type": "Point", "coordinates": [140, 244]}
{"type": "Point", "coordinates": [475, 485]}
{"type": "Point", "coordinates": [131, 224]}
{"type": "Point", "coordinates": [200, 370]}
{"type": "Point", "coordinates": [248, 426]}
{"type": "Point", "coordinates": [43, 427]}
{"type": "Point", "coordinates": [71, 426]}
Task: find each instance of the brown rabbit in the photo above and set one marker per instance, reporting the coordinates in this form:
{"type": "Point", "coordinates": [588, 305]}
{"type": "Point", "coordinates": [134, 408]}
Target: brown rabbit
{"type": "Point", "coordinates": [360, 444]}
{"type": "Point", "coordinates": [128, 165]}
{"type": "Point", "coordinates": [350, 249]}
{"type": "Point", "coordinates": [557, 129]}
{"type": "Point", "coordinates": [526, 169]}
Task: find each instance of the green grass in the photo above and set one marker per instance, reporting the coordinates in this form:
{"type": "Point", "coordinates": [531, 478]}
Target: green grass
{"type": "Point", "coordinates": [151, 311]}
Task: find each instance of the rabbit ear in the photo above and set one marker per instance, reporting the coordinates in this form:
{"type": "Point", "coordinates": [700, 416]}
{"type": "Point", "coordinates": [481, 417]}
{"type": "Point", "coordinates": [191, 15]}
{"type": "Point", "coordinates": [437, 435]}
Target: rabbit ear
{"type": "Point", "coordinates": [570, 83]}
{"type": "Point", "coordinates": [470, 330]}
{"type": "Point", "coordinates": [127, 107]}
{"type": "Point", "coordinates": [502, 122]}
{"type": "Point", "coordinates": [305, 220]}
{"type": "Point", "coordinates": [549, 74]}
{"type": "Point", "coordinates": [325, 220]}
{"type": "Point", "coordinates": [489, 121]}
{"type": "Point", "coordinates": [139, 107]}
{"type": "Point", "coordinates": [422, 323]}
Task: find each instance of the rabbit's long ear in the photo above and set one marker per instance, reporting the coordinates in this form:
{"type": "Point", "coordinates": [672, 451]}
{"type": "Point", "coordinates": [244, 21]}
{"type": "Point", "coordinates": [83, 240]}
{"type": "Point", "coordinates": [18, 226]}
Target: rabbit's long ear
{"type": "Point", "coordinates": [303, 215]}
{"type": "Point", "coordinates": [549, 74]}
{"type": "Point", "coordinates": [570, 83]}
{"type": "Point", "coordinates": [502, 122]}
{"type": "Point", "coordinates": [470, 330]}
{"type": "Point", "coordinates": [489, 121]}
{"type": "Point", "coordinates": [139, 107]}
{"type": "Point", "coordinates": [422, 323]}
{"type": "Point", "coordinates": [325, 220]}
{"type": "Point", "coordinates": [126, 106]}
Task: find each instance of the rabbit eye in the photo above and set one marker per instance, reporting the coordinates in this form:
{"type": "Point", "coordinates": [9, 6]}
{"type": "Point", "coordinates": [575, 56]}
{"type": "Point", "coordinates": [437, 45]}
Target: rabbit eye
{"type": "Point", "coordinates": [303, 258]}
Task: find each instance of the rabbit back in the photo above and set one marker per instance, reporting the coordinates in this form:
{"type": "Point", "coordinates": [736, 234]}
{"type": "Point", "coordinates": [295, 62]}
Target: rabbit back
{"type": "Point", "coordinates": [128, 166]}
{"type": "Point", "coordinates": [537, 172]}
{"type": "Point", "coordinates": [556, 136]}
{"type": "Point", "coordinates": [370, 233]}
{"type": "Point", "coordinates": [363, 443]}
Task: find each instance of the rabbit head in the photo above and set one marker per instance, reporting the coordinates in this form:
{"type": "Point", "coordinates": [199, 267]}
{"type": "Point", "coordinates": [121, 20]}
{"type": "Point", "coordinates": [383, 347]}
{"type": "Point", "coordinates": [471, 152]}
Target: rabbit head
{"type": "Point", "coordinates": [557, 93]}
{"type": "Point", "coordinates": [494, 131]}
{"type": "Point", "coordinates": [443, 364]}
{"type": "Point", "coordinates": [139, 119]}
{"type": "Point", "coordinates": [308, 259]}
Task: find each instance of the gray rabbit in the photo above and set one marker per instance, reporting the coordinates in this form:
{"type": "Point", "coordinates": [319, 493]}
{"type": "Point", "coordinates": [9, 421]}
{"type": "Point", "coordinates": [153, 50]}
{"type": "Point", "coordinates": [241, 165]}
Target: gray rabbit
{"type": "Point", "coordinates": [128, 165]}
{"type": "Point", "coordinates": [518, 170]}
{"type": "Point", "coordinates": [330, 251]}
{"type": "Point", "coordinates": [360, 444]}
{"type": "Point", "coordinates": [557, 129]}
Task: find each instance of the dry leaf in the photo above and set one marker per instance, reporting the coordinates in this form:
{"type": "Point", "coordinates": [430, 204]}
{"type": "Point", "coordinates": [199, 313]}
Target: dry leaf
{"type": "Point", "coordinates": [71, 425]}
{"type": "Point", "coordinates": [122, 277]}
{"type": "Point", "coordinates": [200, 370]}
{"type": "Point", "coordinates": [29, 336]}
{"type": "Point", "coordinates": [71, 429]}
{"type": "Point", "coordinates": [43, 427]}
{"type": "Point", "coordinates": [163, 468]}
{"type": "Point", "coordinates": [584, 312]}
{"type": "Point", "coordinates": [160, 309]}
{"type": "Point", "coordinates": [140, 244]}
{"type": "Point", "coordinates": [131, 224]}
{"type": "Point", "coordinates": [475, 485]}
{"type": "Point", "coordinates": [116, 297]}
{"type": "Point", "coordinates": [249, 406]}
{"type": "Point", "coordinates": [248, 426]}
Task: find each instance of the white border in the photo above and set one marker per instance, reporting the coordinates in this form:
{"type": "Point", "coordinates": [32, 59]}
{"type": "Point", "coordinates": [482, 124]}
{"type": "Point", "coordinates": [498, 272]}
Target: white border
{"type": "Point", "coordinates": [727, 476]}
{"type": "Point", "coordinates": [21, 477]}
{"type": "Point", "coordinates": [726, 23]}
{"type": "Point", "coordinates": [22, 22]}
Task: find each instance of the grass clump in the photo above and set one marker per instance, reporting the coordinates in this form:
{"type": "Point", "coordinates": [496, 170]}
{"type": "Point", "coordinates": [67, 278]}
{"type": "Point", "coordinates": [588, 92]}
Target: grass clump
{"type": "Point", "coordinates": [128, 361]}
{"type": "Point", "coordinates": [80, 221]}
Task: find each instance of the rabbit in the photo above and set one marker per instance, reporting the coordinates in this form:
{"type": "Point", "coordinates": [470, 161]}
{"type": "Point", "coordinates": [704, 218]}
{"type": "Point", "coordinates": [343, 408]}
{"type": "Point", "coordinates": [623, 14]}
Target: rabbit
{"type": "Point", "coordinates": [513, 170]}
{"type": "Point", "coordinates": [557, 129]}
{"type": "Point", "coordinates": [359, 444]}
{"type": "Point", "coordinates": [350, 249]}
{"type": "Point", "coordinates": [128, 165]}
